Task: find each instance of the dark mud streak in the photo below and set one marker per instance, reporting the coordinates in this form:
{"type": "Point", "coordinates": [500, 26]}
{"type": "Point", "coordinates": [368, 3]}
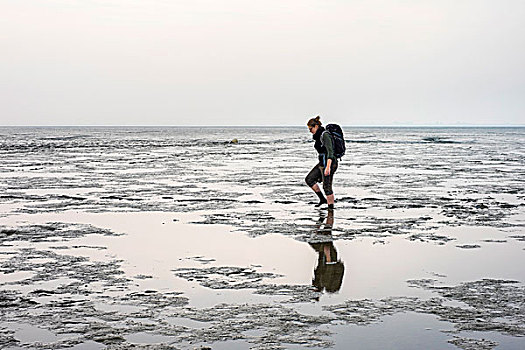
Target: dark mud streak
{"type": "Point", "coordinates": [468, 246]}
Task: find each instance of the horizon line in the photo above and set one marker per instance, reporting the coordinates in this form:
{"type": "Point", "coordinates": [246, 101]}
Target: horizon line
{"type": "Point", "coordinates": [269, 126]}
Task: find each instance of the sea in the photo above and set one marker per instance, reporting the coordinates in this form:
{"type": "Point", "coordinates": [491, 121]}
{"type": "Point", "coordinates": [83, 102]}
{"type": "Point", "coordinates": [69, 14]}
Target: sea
{"type": "Point", "coordinates": [208, 237]}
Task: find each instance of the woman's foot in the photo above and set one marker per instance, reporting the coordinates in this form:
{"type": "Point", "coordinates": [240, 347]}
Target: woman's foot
{"type": "Point", "coordinates": [321, 202]}
{"type": "Point", "coordinates": [322, 199]}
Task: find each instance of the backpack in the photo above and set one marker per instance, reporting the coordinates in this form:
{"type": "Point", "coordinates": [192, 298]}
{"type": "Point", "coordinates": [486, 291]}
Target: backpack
{"type": "Point", "coordinates": [338, 139]}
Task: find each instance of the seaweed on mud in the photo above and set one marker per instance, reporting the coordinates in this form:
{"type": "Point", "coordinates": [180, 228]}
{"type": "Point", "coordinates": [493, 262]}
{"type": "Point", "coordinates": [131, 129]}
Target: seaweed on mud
{"type": "Point", "coordinates": [295, 293]}
{"type": "Point", "coordinates": [152, 299]}
{"type": "Point", "coordinates": [493, 305]}
{"type": "Point", "coordinates": [227, 277]}
{"type": "Point", "coordinates": [7, 338]}
{"type": "Point", "coordinates": [49, 232]}
{"type": "Point", "coordinates": [468, 246]}
{"type": "Point", "coordinates": [495, 240]}
{"type": "Point", "coordinates": [69, 308]}
{"type": "Point", "coordinates": [200, 259]}
{"type": "Point", "coordinates": [366, 311]}
{"type": "Point", "coordinates": [276, 325]}
{"type": "Point", "coordinates": [477, 211]}
{"type": "Point", "coordinates": [256, 223]}
{"type": "Point", "coordinates": [438, 140]}
{"type": "Point", "coordinates": [224, 277]}
{"type": "Point", "coordinates": [430, 237]}
{"type": "Point", "coordinates": [21, 196]}
{"type": "Point", "coordinates": [124, 203]}
{"type": "Point", "coordinates": [473, 344]}
{"type": "Point", "coordinates": [80, 271]}
{"type": "Point", "coordinates": [229, 218]}
{"type": "Point", "coordinates": [13, 299]}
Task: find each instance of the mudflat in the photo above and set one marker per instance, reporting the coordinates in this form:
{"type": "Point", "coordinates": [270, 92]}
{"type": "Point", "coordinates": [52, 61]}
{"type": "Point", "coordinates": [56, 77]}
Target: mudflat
{"type": "Point", "coordinates": [177, 238]}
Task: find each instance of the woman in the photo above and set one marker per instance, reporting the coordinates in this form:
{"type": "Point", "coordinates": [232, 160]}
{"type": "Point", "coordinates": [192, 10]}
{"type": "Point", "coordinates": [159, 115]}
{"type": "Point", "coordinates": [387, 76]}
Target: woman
{"type": "Point", "coordinates": [325, 169]}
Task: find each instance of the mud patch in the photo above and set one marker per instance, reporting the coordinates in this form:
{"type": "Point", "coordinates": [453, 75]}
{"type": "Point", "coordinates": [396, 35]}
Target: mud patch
{"type": "Point", "coordinates": [473, 344]}
{"type": "Point", "coordinates": [238, 278]}
{"type": "Point", "coordinates": [50, 232]}
{"type": "Point", "coordinates": [469, 246]}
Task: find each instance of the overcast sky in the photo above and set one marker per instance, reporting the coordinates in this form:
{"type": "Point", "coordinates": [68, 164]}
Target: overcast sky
{"type": "Point", "coordinates": [262, 62]}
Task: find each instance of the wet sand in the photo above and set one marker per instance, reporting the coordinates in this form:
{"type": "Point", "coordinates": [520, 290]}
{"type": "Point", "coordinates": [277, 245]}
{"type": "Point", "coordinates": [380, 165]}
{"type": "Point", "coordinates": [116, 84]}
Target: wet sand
{"type": "Point", "coordinates": [119, 239]}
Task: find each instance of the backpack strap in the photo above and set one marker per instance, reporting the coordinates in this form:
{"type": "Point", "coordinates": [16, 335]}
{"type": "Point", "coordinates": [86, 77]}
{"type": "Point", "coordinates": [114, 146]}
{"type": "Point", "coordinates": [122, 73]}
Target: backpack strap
{"type": "Point", "coordinates": [322, 134]}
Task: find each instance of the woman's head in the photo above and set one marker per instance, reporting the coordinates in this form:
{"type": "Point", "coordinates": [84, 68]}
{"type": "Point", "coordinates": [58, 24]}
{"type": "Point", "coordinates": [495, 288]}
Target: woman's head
{"type": "Point", "coordinates": [314, 124]}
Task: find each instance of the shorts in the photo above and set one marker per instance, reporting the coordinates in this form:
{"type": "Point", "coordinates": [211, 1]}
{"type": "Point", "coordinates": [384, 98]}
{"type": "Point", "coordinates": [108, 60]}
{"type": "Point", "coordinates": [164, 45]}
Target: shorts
{"type": "Point", "coordinates": [317, 175]}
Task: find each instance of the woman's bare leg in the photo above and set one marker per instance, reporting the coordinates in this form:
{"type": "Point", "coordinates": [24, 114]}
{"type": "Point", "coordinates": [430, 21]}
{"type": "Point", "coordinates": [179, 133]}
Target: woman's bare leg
{"type": "Point", "coordinates": [316, 188]}
{"type": "Point", "coordinates": [322, 199]}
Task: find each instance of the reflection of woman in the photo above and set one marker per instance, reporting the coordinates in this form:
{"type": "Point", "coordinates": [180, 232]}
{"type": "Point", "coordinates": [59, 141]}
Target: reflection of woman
{"type": "Point", "coordinates": [325, 169]}
{"type": "Point", "coordinates": [328, 274]}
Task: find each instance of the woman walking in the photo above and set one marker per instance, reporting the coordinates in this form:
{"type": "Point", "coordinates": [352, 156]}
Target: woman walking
{"type": "Point", "coordinates": [325, 169]}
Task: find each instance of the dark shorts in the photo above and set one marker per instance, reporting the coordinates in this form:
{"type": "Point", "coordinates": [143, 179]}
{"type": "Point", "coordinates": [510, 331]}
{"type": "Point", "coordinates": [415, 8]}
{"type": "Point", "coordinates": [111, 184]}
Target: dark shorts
{"type": "Point", "coordinates": [317, 175]}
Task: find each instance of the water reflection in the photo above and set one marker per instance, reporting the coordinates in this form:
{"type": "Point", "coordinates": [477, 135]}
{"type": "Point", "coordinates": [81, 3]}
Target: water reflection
{"type": "Point", "coordinates": [328, 274]}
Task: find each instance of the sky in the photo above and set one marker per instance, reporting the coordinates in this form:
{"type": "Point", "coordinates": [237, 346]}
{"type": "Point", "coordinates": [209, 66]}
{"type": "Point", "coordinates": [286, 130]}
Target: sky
{"type": "Point", "coordinates": [262, 62]}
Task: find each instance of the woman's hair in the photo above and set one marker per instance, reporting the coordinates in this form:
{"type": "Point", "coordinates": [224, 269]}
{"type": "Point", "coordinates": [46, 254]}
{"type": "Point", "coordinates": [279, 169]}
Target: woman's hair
{"type": "Point", "coordinates": [314, 121]}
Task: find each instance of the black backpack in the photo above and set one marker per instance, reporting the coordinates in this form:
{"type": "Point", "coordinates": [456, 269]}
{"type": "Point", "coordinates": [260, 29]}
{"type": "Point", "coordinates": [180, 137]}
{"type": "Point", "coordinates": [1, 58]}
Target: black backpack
{"type": "Point", "coordinates": [338, 139]}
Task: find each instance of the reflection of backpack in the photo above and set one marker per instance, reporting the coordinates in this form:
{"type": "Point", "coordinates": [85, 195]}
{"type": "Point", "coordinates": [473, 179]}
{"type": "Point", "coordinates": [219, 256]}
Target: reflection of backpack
{"type": "Point", "coordinates": [338, 139]}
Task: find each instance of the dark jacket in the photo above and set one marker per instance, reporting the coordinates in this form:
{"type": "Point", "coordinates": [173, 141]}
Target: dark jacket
{"type": "Point", "coordinates": [324, 145]}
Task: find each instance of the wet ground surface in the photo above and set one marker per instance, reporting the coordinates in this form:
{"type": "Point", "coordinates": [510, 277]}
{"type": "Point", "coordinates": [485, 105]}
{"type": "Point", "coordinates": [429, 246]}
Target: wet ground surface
{"type": "Point", "coordinates": [176, 238]}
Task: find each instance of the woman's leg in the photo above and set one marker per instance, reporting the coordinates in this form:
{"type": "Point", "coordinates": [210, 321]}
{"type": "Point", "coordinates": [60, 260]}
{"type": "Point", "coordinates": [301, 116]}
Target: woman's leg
{"type": "Point", "coordinates": [327, 185]}
{"type": "Point", "coordinates": [313, 177]}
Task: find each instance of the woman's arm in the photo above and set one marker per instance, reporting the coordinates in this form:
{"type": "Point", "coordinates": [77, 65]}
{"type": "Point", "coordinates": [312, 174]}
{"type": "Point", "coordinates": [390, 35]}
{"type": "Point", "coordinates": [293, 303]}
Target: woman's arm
{"type": "Point", "coordinates": [329, 145]}
{"type": "Point", "coordinates": [328, 167]}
